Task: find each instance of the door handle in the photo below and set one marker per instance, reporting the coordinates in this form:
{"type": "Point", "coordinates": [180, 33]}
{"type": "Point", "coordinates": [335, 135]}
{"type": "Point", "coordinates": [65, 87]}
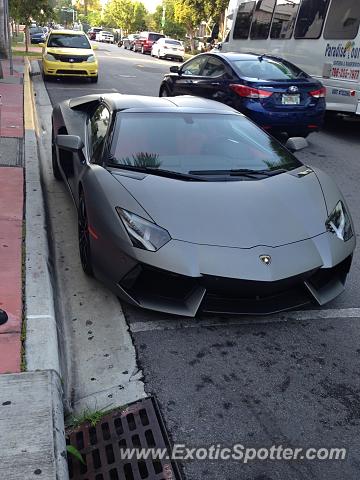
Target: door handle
{"type": "Point", "coordinates": [215, 83]}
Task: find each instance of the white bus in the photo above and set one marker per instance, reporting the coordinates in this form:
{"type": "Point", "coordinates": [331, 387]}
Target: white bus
{"type": "Point", "coordinates": [320, 36]}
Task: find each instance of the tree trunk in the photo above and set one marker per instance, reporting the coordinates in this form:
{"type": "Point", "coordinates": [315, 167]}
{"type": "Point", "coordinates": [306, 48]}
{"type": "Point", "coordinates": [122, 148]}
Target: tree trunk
{"type": "Point", "coordinates": [3, 42]}
{"type": "Point", "coordinates": [26, 38]}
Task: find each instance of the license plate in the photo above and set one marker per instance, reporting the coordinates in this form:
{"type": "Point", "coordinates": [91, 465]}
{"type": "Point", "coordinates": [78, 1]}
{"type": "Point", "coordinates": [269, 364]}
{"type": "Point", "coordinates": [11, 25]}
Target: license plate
{"type": "Point", "coordinates": [290, 100]}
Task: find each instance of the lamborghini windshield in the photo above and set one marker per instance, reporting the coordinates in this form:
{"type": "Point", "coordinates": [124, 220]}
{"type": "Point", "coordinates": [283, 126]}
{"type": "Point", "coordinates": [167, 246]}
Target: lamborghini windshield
{"type": "Point", "coordinates": [196, 143]}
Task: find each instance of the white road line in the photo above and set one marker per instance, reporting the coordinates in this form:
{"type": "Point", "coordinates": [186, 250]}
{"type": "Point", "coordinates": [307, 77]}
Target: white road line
{"type": "Point", "coordinates": [39, 316]}
{"type": "Point", "coordinates": [305, 315]}
{"type": "Point", "coordinates": [127, 76]}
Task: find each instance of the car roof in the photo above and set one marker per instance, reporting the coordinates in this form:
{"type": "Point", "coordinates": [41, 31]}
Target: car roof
{"type": "Point", "coordinates": [120, 102]}
{"type": "Point", "coordinates": [68, 32]}
{"type": "Point", "coordinates": [232, 56]}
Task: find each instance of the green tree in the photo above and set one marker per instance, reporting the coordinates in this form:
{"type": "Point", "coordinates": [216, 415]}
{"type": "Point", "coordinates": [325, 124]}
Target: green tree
{"type": "Point", "coordinates": [40, 11]}
{"type": "Point", "coordinates": [126, 14]}
{"type": "Point", "coordinates": [139, 16]}
{"type": "Point", "coordinates": [186, 14]}
{"type": "Point", "coordinates": [171, 28]}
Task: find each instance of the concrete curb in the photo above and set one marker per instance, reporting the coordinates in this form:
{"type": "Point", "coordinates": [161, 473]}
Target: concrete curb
{"type": "Point", "coordinates": [41, 344]}
{"type": "Point", "coordinates": [41, 331]}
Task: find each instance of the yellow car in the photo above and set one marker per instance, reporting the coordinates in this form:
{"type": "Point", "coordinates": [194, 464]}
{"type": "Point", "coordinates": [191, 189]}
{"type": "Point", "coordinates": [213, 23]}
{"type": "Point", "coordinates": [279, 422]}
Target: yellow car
{"type": "Point", "coordinates": [68, 53]}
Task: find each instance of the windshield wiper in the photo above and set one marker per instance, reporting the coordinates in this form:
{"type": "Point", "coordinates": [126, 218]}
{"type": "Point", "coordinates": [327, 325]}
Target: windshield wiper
{"type": "Point", "coordinates": [158, 171]}
{"type": "Point", "coordinates": [245, 172]}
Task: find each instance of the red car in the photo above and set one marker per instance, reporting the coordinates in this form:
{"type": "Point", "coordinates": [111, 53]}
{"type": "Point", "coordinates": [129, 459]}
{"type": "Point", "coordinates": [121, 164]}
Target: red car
{"type": "Point", "coordinates": [145, 41]}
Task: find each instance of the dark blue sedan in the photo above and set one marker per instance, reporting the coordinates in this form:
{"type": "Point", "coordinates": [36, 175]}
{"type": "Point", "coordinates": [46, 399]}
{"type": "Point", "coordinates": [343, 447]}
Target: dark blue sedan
{"type": "Point", "coordinates": [274, 93]}
{"type": "Point", "coordinates": [37, 35]}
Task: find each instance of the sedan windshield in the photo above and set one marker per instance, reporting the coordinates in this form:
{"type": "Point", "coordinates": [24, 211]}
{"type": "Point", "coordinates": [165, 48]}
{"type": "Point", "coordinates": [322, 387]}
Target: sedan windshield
{"type": "Point", "coordinates": [67, 40]}
{"type": "Point", "coordinates": [268, 69]}
{"type": "Point", "coordinates": [35, 30]}
{"type": "Point", "coordinates": [196, 143]}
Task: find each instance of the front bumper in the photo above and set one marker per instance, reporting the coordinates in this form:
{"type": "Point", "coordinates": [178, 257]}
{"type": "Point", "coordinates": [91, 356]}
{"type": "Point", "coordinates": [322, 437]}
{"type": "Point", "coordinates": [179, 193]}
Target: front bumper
{"type": "Point", "coordinates": [186, 279]}
{"type": "Point", "coordinates": [67, 69]}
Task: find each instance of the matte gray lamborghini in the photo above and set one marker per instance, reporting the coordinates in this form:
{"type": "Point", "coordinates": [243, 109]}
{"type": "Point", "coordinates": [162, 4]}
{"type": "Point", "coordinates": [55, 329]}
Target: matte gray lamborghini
{"type": "Point", "coordinates": [185, 206]}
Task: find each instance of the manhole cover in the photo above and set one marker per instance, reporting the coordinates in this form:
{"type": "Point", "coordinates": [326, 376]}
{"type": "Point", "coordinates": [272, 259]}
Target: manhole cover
{"type": "Point", "coordinates": [102, 447]}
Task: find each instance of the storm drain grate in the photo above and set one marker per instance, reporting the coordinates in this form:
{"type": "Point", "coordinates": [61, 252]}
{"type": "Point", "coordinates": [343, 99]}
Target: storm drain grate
{"type": "Point", "coordinates": [138, 426]}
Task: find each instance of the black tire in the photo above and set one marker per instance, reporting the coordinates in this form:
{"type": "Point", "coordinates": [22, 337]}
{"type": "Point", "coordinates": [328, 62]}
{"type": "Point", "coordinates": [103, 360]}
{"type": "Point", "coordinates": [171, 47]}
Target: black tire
{"type": "Point", "coordinates": [55, 165]}
{"type": "Point", "coordinates": [94, 79]}
{"type": "Point", "coordinates": [84, 237]}
{"type": "Point", "coordinates": [164, 91]}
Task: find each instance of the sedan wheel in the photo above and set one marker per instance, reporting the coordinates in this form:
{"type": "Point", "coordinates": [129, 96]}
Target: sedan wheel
{"type": "Point", "coordinates": [84, 238]}
{"type": "Point", "coordinates": [164, 92]}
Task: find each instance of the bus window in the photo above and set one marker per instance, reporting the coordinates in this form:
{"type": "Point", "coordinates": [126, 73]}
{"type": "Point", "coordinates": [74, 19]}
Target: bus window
{"type": "Point", "coordinates": [262, 19]}
{"type": "Point", "coordinates": [311, 18]}
{"type": "Point", "coordinates": [284, 19]}
{"type": "Point", "coordinates": [243, 20]}
{"type": "Point", "coordinates": [343, 20]}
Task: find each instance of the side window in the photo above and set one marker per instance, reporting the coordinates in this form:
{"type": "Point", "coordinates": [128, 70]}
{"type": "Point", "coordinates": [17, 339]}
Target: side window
{"type": "Point", "coordinates": [260, 27]}
{"type": "Point", "coordinates": [98, 127]}
{"type": "Point", "coordinates": [214, 68]}
{"type": "Point", "coordinates": [243, 20]}
{"type": "Point", "coordinates": [284, 19]}
{"type": "Point", "coordinates": [194, 67]}
{"type": "Point", "coordinates": [311, 18]}
{"type": "Point", "coordinates": [343, 20]}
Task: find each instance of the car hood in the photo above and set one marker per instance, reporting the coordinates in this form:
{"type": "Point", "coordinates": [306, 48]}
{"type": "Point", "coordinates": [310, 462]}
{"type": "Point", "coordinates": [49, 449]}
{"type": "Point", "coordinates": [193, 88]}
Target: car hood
{"type": "Point", "coordinates": [70, 51]}
{"type": "Point", "coordinates": [271, 212]}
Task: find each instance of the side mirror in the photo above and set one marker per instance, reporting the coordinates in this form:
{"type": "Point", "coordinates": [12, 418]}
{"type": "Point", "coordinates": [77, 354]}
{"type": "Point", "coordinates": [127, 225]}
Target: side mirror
{"type": "Point", "coordinates": [71, 143]}
{"type": "Point", "coordinates": [174, 69]}
{"type": "Point", "coordinates": [95, 47]}
{"type": "Point", "coordinates": [296, 143]}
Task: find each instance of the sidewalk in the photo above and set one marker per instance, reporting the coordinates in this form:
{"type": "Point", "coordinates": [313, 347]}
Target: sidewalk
{"type": "Point", "coordinates": [11, 215]}
{"type": "Point", "coordinates": [32, 439]}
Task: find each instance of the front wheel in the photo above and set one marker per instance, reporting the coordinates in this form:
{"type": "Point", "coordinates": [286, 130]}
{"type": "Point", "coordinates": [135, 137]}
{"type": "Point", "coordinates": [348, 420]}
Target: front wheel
{"type": "Point", "coordinates": [54, 163]}
{"type": "Point", "coordinates": [94, 79]}
{"type": "Point", "coordinates": [164, 92]}
{"type": "Point", "coordinates": [84, 237]}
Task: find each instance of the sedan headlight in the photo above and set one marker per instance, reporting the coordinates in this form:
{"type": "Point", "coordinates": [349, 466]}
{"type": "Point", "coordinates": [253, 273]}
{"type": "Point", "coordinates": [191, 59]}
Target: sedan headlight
{"type": "Point", "coordinates": [50, 57]}
{"type": "Point", "coordinates": [91, 59]}
{"type": "Point", "coordinates": [143, 234]}
{"type": "Point", "coordinates": [339, 222]}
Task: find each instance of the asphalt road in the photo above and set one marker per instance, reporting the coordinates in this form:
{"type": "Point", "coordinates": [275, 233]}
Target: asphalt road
{"type": "Point", "coordinates": [290, 380]}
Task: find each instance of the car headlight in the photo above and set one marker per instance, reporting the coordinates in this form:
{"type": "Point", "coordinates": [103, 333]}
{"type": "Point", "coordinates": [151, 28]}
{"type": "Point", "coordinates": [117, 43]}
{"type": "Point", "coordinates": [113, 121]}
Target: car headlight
{"type": "Point", "coordinates": [143, 234]}
{"type": "Point", "coordinates": [50, 57]}
{"type": "Point", "coordinates": [91, 59]}
{"type": "Point", "coordinates": [339, 222]}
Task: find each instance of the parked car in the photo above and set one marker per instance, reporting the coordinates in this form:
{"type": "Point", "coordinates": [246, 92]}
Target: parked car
{"type": "Point", "coordinates": [168, 48]}
{"type": "Point", "coordinates": [68, 53]}
{"type": "Point", "coordinates": [92, 32]}
{"type": "Point", "coordinates": [145, 41]}
{"type": "Point", "coordinates": [185, 205]}
{"type": "Point", "coordinates": [276, 94]}
{"type": "Point", "coordinates": [128, 41]}
{"type": "Point", "coordinates": [37, 35]}
{"type": "Point", "coordinates": [104, 36]}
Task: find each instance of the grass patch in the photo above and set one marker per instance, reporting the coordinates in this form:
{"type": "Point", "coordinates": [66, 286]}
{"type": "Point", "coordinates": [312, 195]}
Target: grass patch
{"type": "Point", "coordinates": [93, 417]}
{"type": "Point", "coordinates": [23, 53]}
